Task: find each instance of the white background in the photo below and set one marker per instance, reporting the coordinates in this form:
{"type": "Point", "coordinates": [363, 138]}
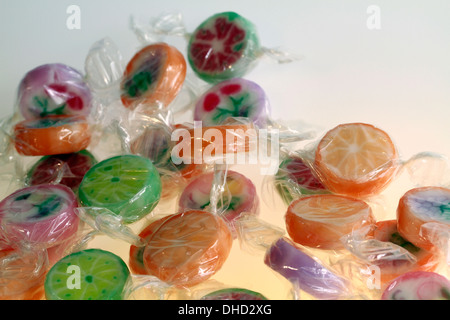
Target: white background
{"type": "Point", "coordinates": [396, 77]}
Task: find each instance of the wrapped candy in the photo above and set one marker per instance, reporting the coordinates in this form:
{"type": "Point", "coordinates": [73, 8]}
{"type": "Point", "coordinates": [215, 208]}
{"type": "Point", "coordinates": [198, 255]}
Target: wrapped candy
{"type": "Point", "coordinates": [67, 169]}
{"type": "Point", "coordinates": [22, 272]}
{"type": "Point", "coordinates": [127, 185]}
{"type": "Point", "coordinates": [40, 215]}
{"type": "Point", "coordinates": [238, 196]}
{"type": "Point", "coordinates": [295, 178]}
{"type": "Point", "coordinates": [52, 135]}
{"type": "Point", "coordinates": [224, 46]}
{"type": "Point", "coordinates": [154, 76]}
{"type": "Point", "coordinates": [418, 285]}
{"type": "Point", "coordinates": [419, 206]}
{"type": "Point", "coordinates": [183, 249]}
{"type": "Point", "coordinates": [385, 249]}
{"type": "Point", "coordinates": [91, 274]}
{"type": "Point", "coordinates": [356, 159]}
{"type": "Point", "coordinates": [305, 272]}
{"type": "Point", "coordinates": [320, 221]}
{"type": "Point", "coordinates": [235, 97]}
{"type": "Point", "coordinates": [54, 89]}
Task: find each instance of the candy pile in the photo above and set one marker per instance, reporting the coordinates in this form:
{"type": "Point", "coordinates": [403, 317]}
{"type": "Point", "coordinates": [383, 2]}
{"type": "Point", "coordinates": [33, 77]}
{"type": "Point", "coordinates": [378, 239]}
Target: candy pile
{"type": "Point", "coordinates": [182, 219]}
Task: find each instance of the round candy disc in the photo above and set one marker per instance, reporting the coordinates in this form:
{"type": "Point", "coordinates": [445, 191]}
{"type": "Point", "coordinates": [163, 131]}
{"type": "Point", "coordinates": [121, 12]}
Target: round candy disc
{"type": "Point", "coordinates": [136, 261]}
{"type": "Point", "coordinates": [232, 98]}
{"type": "Point", "coordinates": [223, 47]}
{"type": "Point", "coordinates": [239, 193]}
{"type": "Point", "coordinates": [67, 169]}
{"type": "Point", "coordinates": [128, 185]}
{"type": "Point", "coordinates": [53, 89]}
{"type": "Point", "coordinates": [234, 294]}
{"type": "Point", "coordinates": [43, 214]}
{"type": "Point", "coordinates": [356, 159]}
{"type": "Point", "coordinates": [52, 135]}
{"type": "Point", "coordinates": [304, 271]}
{"type": "Point", "coordinates": [154, 75]}
{"type": "Point", "coordinates": [187, 248]}
{"type": "Point", "coordinates": [392, 266]}
{"type": "Point", "coordinates": [320, 221]}
{"type": "Point", "coordinates": [91, 274]}
{"type": "Point", "coordinates": [295, 178]}
{"type": "Point", "coordinates": [418, 285]}
{"type": "Point", "coordinates": [419, 206]}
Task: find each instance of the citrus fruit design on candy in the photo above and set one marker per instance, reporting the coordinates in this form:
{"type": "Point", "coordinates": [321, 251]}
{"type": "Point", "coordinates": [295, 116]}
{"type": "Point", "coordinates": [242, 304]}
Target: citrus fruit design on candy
{"type": "Point", "coordinates": [356, 159]}
{"type": "Point", "coordinates": [320, 221]}
{"type": "Point", "coordinates": [295, 178]}
{"type": "Point", "coordinates": [391, 266]}
{"type": "Point", "coordinates": [223, 47]}
{"type": "Point", "coordinates": [42, 214]}
{"type": "Point", "coordinates": [53, 89]}
{"type": "Point", "coordinates": [236, 97]}
{"type": "Point", "coordinates": [91, 274]}
{"type": "Point", "coordinates": [234, 294]}
{"type": "Point", "coordinates": [52, 135]}
{"type": "Point", "coordinates": [67, 169]}
{"type": "Point", "coordinates": [418, 285]}
{"type": "Point", "coordinates": [154, 75]}
{"type": "Point", "coordinates": [419, 206]}
{"type": "Point", "coordinates": [128, 185]}
{"type": "Point", "coordinates": [239, 196]}
{"type": "Point", "coordinates": [187, 248]}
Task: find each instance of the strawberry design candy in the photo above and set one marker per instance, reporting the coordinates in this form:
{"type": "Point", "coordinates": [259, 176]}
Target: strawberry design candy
{"type": "Point", "coordinates": [53, 89]}
{"type": "Point", "coordinates": [235, 98]}
{"type": "Point", "coordinates": [222, 47]}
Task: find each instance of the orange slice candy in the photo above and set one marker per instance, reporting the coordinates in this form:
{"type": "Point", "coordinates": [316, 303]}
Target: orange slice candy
{"type": "Point", "coordinates": [356, 159]}
{"type": "Point", "coordinates": [419, 206]}
{"type": "Point", "coordinates": [52, 135]}
{"type": "Point", "coordinates": [187, 248]}
{"type": "Point", "coordinates": [320, 221]}
{"type": "Point", "coordinates": [154, 75]}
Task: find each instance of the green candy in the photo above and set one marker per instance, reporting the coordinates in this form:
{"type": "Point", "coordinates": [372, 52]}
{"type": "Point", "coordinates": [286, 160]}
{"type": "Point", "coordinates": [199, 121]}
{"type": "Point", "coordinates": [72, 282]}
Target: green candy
{"type": "Point", "coordinates": [91, 274]}
{"type": "Point", "coordinates": [127, 185]}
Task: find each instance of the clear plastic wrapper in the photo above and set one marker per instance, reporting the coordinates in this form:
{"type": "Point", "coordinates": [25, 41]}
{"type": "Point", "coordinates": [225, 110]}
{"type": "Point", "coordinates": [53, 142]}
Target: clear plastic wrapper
{"type": "Point", "coordinates": [383, 250]}
{"type": "Point", "coordinates": [66, 169]}
{"type": "Point", "coordinates": [183, 249]}
{"type": "Point", "coordinates": [236, 97]}
{"type": "Point", "coordinates": [237, 196]}
{"type": "Point", "coordinates": [41, 215]}
{"type": "Point", "coordinates": [22, 272]}
{"type": "Point", "coordinates": [419, 285]}
{"type": "Point", "coordinates": [224, 46]}
{"type": "Point", "coordinates": [53, 89]}
{"type": "Point", "coordinates": [305, 272]}
{"type": "Point", "coordinates": [52, 135]}
{"type": "Point", "coordinates": [320, 221]}
{"type": "Point", "coordinates": [419, 206]}
{"type": "Point", "coordinates": [154, 76]}
{"type": "Point", "coordinates": [127, 185]}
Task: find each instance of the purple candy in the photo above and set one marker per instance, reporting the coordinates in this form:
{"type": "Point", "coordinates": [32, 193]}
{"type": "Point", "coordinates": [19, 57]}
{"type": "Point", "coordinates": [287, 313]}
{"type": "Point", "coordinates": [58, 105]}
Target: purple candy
{"type": "Point", "coordinates": [304, 271]}
{"type": "Point", "coordinates": [53, 89]}
{"type": "Point", "coordinates": [232, 98]}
